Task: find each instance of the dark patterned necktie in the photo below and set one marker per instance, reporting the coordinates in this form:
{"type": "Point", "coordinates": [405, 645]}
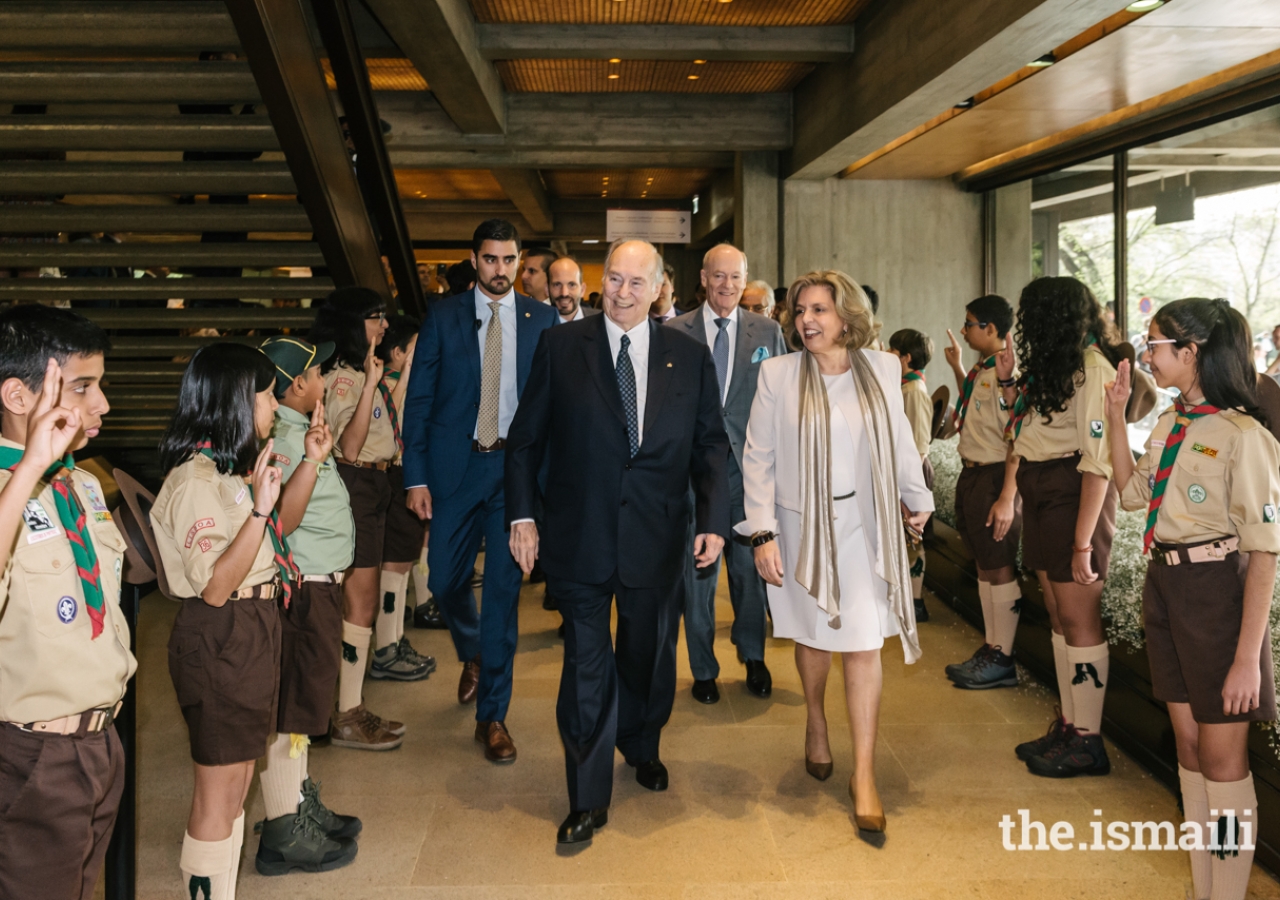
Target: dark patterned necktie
{"type": "Point", "coordinates": [627, 388]}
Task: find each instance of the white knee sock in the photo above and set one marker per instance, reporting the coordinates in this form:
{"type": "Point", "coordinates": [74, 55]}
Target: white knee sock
{"type": "Point", "coordinates": [916, 558]}
{"type": "Point", "coordinates": [1091, 667]}
{"type": "Point", "coordinates": [209, 867]}
{"type": "Point", "coordinates": [1195, 808]}
{"type": "Point", "coordinates": [355, 652]}
{"type": "Point", "coordinates": [1065, 672]}
{"type": "Point", "coordinates": [391, 608]}
{"type": "Point", "coordinates": [282, 777]}
{"type": "Point", "coordinates": [237, 849]}
{"type": "Point", "coordinates": [984, 594]}
{"type": "Point", "coordinates": [1232, 800]}
{"type": "Point", "coordinates": [1004, 600]}
{"type": "Point", "coordinates": [421, 594]}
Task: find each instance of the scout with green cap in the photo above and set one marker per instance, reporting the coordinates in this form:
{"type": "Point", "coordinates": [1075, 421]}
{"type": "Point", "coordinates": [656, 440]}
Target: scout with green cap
{"type": "Point", "coordinates": [315, 512]}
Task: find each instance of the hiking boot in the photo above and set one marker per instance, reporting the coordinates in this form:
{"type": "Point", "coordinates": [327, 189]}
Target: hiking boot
{"type": "Point", "coordinates": [333, 825]}
{"type": "Point", "coordinates": [391, 725]}
{"type": "Point", "coordinates": [969, 664]}
{"type": "Point", "coordinates": [1041, 745]}
{"type": "Point", "coordinates": [388, 663]}
{"type": "Point", "coordinates": [407, 652]}
{"type": "Point", "coordinates": [359, 729]}
{"type": "Point", "coordinates": [992, 671]}
{"type": "Point", "coordinates": [1077, 754]}
{"type": "Point", "coordinates": [296, 842]}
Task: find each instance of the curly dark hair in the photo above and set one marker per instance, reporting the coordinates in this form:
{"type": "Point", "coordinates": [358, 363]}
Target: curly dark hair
{"type": "Point", "coordinates": [1056, 317]}
{"type": "Point", "coordinates": [1224, 354]}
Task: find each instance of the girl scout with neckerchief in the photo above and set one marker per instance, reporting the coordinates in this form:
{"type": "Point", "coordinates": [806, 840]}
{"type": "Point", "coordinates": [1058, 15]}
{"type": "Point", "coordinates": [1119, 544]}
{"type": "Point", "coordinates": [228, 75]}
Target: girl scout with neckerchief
{"type": "Point", "coordinates": [223, 552]}
{"type": "Point", "coordinates": [1210, 482]}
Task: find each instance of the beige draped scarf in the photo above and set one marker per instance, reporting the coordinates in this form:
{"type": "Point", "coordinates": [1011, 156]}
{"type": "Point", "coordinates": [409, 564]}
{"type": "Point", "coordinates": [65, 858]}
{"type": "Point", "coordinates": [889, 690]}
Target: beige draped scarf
{"type": "Point", "coordinates": [816, 569]}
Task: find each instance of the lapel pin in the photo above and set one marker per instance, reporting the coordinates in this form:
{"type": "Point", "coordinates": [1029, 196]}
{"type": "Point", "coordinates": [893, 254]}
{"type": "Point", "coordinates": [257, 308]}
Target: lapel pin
{"type": "Point", "coordinates": [528, 315]}
{"type": "Point", "coordinates": [668, 365]}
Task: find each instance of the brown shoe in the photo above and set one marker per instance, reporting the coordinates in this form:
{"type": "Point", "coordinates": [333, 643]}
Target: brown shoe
{"type": "Point", "coordinates": [498, 746]}
{"type": "Point", "coordinates": [357, 729]}
{"type": "Point", "coordinates": [469, 683]}
{"type": "Point", "coordinates": [391, 725]}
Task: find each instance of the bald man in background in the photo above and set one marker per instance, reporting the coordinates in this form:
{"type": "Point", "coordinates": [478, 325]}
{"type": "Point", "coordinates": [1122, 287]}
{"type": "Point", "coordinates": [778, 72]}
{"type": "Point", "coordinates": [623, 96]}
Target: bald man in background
{"type": "Point", "coordinates": [565, 280]}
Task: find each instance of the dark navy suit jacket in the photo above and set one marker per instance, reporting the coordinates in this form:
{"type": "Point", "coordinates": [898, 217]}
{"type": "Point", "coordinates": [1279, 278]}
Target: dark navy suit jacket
{"type": "Point", "coordinates": [443, 398]}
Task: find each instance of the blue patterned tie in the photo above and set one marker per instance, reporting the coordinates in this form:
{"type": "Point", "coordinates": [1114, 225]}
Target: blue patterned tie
{"type": "Point", "coordinates": [720, 355]}
{"type": "Point", "coordinates": [627, 388]}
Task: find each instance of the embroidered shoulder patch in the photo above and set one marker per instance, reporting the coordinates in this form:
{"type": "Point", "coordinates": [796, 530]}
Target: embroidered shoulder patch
{"type": "Point", "coordinates": [1207, 451]}
{"type": "Point", "coordinates": [1095, 428]}
{"type": "Point", "coordinates": [342, 379]}
{"type": "Point", "coordinates": [38, 523]}
{"type": "Point", "coordinates": [205, 545]}
{"type": "Point", "coordinates": [1268, 513]}
{"type": "Point", "coordinates": [281, 458]}
{"type": "Point", "coordinates": [200, 525]}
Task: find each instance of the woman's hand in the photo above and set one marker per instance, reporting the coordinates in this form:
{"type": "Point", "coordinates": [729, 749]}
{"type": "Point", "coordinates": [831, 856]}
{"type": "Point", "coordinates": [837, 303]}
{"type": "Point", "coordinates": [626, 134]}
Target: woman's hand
{"type": "Point", "coordinates": [769, 562]}
{"type": "Point", "coordinates": [1082, 566]}
{"type": "Point", "coordinates": [1241, 689]}
{"type": "Point", "coordinates": [51, 427]}
{"type": "Point", "coordinates": [1006, 359]}
{"type": "Point", "coordinates": [1117, 394]}
{"type": "Point", "coordinates": [266, 481]}
{"type": "Point", "coordinates": [318, 440]}
{"type": "Point", "coordinates": [1000, 518]}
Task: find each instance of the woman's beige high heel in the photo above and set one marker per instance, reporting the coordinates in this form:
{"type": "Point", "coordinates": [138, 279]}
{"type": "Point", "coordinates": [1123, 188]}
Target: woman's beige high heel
{"type": "Point", "coordinates": [819, 770]}
{"type": "Point", "coordinates": [874, 824]}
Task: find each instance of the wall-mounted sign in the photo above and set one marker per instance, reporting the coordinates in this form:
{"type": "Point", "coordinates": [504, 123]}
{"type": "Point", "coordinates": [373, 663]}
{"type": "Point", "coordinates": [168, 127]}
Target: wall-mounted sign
{"type": "Point", "coordinates": [658, 226]}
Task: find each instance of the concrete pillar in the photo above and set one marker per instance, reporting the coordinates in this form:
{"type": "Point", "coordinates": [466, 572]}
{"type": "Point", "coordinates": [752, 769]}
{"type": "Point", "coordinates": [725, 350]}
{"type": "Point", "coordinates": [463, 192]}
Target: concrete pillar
{"type": "Point", "coordinates": [755, 217]}
{"type": "Point", "coordinates": [1012, 240]}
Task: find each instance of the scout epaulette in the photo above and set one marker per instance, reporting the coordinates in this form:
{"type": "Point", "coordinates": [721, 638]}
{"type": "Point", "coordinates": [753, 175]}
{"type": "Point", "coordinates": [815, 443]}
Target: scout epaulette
{"type": "Point", "coordinates": [1167, 456]}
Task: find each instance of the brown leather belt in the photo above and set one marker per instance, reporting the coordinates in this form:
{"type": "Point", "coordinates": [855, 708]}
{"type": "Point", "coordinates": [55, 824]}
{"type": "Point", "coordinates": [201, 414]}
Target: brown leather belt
{"type": "Point", "coordinates": [89, 722]}
{"type": "Point", "coordinates": [970, 464]}
{"type": "Point", "coordinates": [380, 466]}
{"type": "Point", "coordinates": [268, 591]}
{"type": "Point", "coordinates": [1183, 554]}
{"type": "Point", "coordinates": [499, 444]}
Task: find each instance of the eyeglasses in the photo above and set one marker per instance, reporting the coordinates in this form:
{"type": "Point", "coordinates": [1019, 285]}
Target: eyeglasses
{"type": "Point", "coordinates": [1150, 341]}
{"type": "Point", "coordinates": [967, 324]}
{"type": "Point", "coordinates": [381, 317]}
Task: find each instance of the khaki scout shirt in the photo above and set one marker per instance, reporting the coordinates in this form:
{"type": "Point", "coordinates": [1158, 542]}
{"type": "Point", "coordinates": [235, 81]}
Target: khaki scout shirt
{"type": "Point", "coordinates": [49, 665]}
{"type": "Point", "coordinates": [1080, 428]}
{"type": "Point", "coordinates": [982, 438]}
{"type": "Point", "coordinates": [325, 541]}
{"type": "Point", "coordinates": [197, 515]}
{"type": "Point", "coordinates": [342, 394]}
{"type": "Point", "coordinates": [919, 408]}
{"type": "Point", "coordinates": [1225, 481]}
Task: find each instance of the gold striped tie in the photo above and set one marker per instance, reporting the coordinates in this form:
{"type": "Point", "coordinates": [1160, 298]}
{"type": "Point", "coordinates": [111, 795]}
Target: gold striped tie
{"type": "Point", "coordinates": [490, 380]}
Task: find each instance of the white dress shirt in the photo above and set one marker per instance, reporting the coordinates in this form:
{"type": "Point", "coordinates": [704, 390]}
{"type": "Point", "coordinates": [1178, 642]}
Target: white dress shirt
{"type": "Point", "coordinates": [577, 314]}
{"type": "Point", "coordinates": [709, 317]}
{"type": "Point", "coordinates": [508, 396]}
{"type": "Point", "coordinates": [639, 353]}
{"type": "Point", "coordinates": [667, 316]}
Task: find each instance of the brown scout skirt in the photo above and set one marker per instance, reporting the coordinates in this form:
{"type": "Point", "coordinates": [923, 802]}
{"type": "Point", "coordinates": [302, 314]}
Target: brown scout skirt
{"type": "Point", "coordinates": [225, 666]}
{"type": "Point", "coordinates": [1050, 506]}
{"type": "Point", "coordinates": [310, 654]}
{"type": "Point", "coordinates": [977, 490]}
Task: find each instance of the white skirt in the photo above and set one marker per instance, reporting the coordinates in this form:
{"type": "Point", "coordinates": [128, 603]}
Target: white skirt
{"type": "Point", "coordinates": [864, 621]}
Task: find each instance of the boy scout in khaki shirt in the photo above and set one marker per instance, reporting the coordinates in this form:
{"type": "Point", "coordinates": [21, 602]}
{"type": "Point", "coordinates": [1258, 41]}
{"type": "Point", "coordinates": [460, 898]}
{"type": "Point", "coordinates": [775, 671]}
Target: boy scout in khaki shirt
{"type": "Point", "coordinates": [64, 643]}
{"type": "Point", "coordinates": [988, 509]}
{"type": "Point", "coordinates": [914, 350]}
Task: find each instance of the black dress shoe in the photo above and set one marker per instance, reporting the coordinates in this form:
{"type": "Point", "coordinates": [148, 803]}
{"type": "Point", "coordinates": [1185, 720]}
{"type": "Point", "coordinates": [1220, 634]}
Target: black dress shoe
{"type": "Point", "coordinates": [706, 691]}
{"type": "Point", "coordinates": [922, 611]}
{"type": "Point", "coordinates": [560, 631]}
{"type": "Point", "coordinates": [759, 681]}
{"type": "Point", "coordinates": [427, 615]}
{"type": "Point", "coordinates": [580, 827]}
{"type": "Point", "coordinates": [651, 774]}
{"type": "Point", "coordinates": [548, 601]}
{"type": "Point", "coordinates": [537, 576]}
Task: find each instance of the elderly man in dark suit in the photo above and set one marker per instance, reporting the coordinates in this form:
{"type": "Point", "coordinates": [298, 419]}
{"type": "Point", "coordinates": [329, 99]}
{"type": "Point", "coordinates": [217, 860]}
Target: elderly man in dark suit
{"type": "Point", "coordinates": [626, 415]}
{"type": "Point", "coordinates": [739, 341]}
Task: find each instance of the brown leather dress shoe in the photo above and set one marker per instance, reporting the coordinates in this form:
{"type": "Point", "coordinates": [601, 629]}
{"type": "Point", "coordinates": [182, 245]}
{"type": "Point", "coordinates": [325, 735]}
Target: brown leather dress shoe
{"type": "Point", "coordinates": [498, 746]}
{"type": "Point", "coordinates": [469, 683]}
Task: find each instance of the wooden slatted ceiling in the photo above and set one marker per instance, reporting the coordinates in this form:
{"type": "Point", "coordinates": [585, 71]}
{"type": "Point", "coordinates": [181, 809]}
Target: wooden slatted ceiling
{"type": "Point", "coordinates": [448, 184]}
{"type": "Point", "coordinates": [385, 74]}
{"type": "Point", "coordinates": [669, 76]}
{"type": "Point", "coordinates": [628, 184]}
{"type": "Point", "coordinates": [669, 12]}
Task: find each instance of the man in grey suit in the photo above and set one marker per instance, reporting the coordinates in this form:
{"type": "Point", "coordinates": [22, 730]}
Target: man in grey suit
{"type": "Point", "coordinates": [564, 280]}
{"type": "Point", "coordinates": [739, 342]}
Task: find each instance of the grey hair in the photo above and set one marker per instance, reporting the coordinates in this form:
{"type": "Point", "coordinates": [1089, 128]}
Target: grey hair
{"type": "Point", "coordinates": [655, 277]}
{"type": "Point", "coordinates": [706, 256]}
{"type": "Point", "coordinates": [761, 285]}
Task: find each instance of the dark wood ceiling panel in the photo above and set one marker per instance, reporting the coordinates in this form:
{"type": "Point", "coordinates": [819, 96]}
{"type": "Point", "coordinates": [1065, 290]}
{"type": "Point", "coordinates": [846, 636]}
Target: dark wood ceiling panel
{"type": "Point", "coordinates": [669, 12]}
{"type": "Point", "coordinates": [640, 75]}
{"type": "Point", "coordinates": [448, 184]}
{"type": "Point", "coordinates": [385, 74]}
{"type": "Point", "coordinates": [628, 184]}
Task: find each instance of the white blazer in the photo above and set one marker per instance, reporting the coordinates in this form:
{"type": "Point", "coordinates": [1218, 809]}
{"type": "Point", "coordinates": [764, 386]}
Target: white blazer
{"type": "Point", "coordinates": [771, 460]}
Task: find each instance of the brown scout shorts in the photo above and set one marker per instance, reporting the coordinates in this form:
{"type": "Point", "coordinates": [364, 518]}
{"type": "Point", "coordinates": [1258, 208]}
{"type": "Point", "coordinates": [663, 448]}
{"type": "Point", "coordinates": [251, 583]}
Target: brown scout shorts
{"type": "Point", "coordinates": [310, 651]}
{"type": "Point", "coordinates": [405, 531]}
{"type": "Point", "coordinates": [1050, 505]}
{"type": "Point", "coordinates": [1192, 615]}
{"type": "Point", "coordinates": [225, 666]}
{"type": "Point", "coordinates": [370, 496]}
{"type": "Point", "coordinates": [977, 490]}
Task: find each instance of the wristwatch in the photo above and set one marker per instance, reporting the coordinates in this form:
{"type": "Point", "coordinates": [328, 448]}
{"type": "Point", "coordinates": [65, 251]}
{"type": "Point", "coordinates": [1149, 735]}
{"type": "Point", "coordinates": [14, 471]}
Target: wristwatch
{"type": "Point", "coordinates": [761, 537]}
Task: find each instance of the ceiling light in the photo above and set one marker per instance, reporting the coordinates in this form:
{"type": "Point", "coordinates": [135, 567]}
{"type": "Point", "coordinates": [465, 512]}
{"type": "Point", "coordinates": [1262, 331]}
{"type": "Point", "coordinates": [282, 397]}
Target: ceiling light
{"type": "Point", "coordinates": [591, 240]}
{"type": "Point", "coordinates": [613, 76]}
{"type": "Point", "coordinates": [1047, 60]}
{"type": "Point", "coordinates": [615, 60]}
{"type": "Point", "coordinates": [699, 62]}
{"type": "Point", "coordinates": [693, 77]}
{"type": "Point", "coordinates": [1141, 6]}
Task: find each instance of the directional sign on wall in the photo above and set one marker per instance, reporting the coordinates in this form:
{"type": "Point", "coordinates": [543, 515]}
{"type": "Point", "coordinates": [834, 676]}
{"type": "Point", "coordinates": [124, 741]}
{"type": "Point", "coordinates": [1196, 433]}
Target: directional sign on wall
{"type": "Point", "coordinates": [659, 226]}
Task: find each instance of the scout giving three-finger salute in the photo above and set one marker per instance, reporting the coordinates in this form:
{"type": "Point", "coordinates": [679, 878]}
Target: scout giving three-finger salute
{"type": "Point", "coordinates": [914, 350]}
{"type": "Point", "coordinates": [224, 555]}
{"type": "Point", "coordinates": [988, 510]}
{"type": "Point", "coordinates": [1057, 426]}
{"type": "Point", "coordinates": [64, 644]}
{"type": "Point", "coordinates": [1210, 482]}
{"type": "Point", "coordinates": [315, 514]}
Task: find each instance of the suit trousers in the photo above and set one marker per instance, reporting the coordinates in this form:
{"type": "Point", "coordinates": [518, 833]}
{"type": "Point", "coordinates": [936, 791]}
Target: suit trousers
{"type": "Point", "coordinates": [613, 698]}
{"type": "Point", "coordinates": [475, 510]}
{"type": "Point", "coordinates": [746, 593]}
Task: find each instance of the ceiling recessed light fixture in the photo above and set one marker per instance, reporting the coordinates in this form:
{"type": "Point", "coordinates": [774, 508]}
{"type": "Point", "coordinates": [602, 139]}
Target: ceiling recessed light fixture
{"type": "Point", "coordinates": [693, 77]}
{"type": "Point", "coordinates": [591, 240]}
{"type": "Point", "coordinates": [613, 76]}
{"type": "Point", "coordinates": [1047, 60]}
{"type": "Point", "coordinates": [699, 62]}
{"type": "Point", "coordinates": [1140, 6]}
{"type": "Point", "coordinates": [615, 60]}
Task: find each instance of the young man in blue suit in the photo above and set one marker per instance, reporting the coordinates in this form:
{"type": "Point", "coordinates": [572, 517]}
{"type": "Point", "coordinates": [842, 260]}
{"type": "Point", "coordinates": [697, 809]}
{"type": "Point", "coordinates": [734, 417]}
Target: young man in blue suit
{"type": "Point", "coordinates": [470, 366]}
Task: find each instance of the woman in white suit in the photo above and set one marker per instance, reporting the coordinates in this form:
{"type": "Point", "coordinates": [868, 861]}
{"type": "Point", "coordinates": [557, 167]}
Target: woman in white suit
{"type": "Point", "coordinates": [830, 473]}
